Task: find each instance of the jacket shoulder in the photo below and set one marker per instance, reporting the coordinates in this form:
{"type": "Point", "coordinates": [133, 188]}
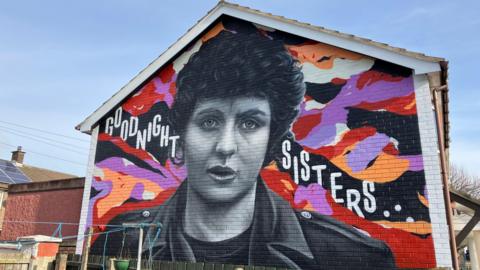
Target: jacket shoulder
{"type": "Point", "coordinates": [136, 216]}
{"type": "Point", "coordinates": [343, 245]}
{"type": "Point", "coordinates": [335, 228]}
{"type": "Point", "coordinates": [121, 235]}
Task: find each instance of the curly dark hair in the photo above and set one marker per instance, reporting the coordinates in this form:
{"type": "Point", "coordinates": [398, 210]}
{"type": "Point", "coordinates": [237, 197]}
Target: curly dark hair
{"type": "Point", "coordinates": [239, 64]}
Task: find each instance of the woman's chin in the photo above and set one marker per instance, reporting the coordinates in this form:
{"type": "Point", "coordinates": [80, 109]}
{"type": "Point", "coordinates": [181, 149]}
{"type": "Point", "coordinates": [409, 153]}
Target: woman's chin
{"type": "Point", "coordinates": [224, 192]}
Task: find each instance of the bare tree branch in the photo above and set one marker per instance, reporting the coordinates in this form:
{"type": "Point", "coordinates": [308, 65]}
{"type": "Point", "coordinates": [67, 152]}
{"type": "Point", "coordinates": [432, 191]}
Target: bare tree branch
{"type": "Point", "coordinates": [461, 180]}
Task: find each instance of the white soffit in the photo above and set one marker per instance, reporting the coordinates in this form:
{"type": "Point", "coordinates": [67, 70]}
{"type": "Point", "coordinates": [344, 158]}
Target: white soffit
{"type": "Point", "coordinates": [419, 66]}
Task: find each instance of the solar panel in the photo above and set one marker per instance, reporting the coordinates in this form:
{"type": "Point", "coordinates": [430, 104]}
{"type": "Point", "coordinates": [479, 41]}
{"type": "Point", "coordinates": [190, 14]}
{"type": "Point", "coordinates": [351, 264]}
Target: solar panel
{"type": "Point", "coordinates": [10, 174]}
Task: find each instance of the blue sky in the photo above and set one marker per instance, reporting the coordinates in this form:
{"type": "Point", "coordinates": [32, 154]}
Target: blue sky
{"type": "Point", "coordinates": [60, 60]}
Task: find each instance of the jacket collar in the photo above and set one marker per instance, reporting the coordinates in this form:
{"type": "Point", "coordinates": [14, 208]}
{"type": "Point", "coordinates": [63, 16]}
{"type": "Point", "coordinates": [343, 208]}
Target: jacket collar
{"type": "Point", "coordinates": [276, 238]}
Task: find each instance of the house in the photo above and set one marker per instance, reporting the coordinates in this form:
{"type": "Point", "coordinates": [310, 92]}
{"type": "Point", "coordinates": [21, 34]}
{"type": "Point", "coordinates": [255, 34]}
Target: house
{"type": "Point", "coordinates": [465, 219]}
{"type": "Point", "coordinates": [38, 208]}
{"type": "Point", "coordinates": [10, 173]}
{"type": "Point", "coordinates": [39, 212]}
{"type": "Point", "coordinates": [260, 140]}
{"type": "Point", "coordinates": [28, 195]}
{"type": "Point", "coordinates": [35, 174]}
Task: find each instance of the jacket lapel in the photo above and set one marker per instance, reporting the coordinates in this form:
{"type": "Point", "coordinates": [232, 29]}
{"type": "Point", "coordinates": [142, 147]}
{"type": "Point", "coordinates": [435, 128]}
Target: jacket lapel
{"type": "Point", "coordinates": [277, 237]}
{"type": "Point", "coordinates": [171, 244]}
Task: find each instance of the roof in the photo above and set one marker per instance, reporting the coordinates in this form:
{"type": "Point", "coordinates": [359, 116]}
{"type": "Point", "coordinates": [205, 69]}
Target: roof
{"type": "Point", "coordinates": [60, 184]}
{"type": "Point", "coordinates": [418, 62]}
{"type": "Point", "coordinates": [40, 238]}
{"type": "Point", "coordinates": [471, 214]}
{"type": "Point", "coordinates": [460, 220]}
{"type": "Point", "coordinates": [11, 174]}
{"type": "Point", "coordinates": [365, 41]}
{"type": "Point", "coordinates": [41, 175]}
{"type": "Point", "coordinates": [465, 199]}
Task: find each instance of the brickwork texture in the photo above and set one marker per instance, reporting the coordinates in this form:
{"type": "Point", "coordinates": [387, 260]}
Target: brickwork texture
{"type": "Point", "coordinates": [258, 147]}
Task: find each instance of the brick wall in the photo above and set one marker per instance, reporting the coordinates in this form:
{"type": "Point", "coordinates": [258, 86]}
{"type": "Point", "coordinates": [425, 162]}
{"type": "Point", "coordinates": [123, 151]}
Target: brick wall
{"type": "Point", "coordinates": [430, 149]}
{"type": "Point", "coordinates": [200, 150]}
{"type": "Point", "coordinates": [29, 204]}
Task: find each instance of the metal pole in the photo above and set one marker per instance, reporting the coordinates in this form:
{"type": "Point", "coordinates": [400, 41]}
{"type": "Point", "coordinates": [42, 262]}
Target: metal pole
{"type": "Point", "coordinates": [86, 249]}
{"type": "Point", "coordinates": [444, 175]}
{"type": "Point", "coordinates": [140, 244]}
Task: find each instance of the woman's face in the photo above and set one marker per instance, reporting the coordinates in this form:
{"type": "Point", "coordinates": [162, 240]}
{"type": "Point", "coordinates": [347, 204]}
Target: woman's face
{"type": "Point", "coordinates": [225, 144]}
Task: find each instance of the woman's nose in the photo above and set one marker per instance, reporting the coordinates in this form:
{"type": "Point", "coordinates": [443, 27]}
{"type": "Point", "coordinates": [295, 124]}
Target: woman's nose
{"type": "Point", "coordinates": [226, 144]}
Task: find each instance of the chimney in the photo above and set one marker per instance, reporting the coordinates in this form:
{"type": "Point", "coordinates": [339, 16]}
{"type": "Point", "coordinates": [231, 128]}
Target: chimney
{"type": "Point", "coordinates": [17, 156]}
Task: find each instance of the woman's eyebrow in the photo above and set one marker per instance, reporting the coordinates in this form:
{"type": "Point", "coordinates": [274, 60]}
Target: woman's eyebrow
{"type": "Point", "coordinates": [208, 111]}
{"type": "Point", "coordinates": [252, 112]}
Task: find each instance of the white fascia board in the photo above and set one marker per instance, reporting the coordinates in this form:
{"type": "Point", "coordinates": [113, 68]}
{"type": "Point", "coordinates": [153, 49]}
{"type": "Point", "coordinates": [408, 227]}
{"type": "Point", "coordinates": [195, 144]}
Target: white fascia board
{"type": "Point", "coordinates": [419, 66]}
{"type": "Point", "coordinates": [85, 211]}
{"type": "Point", "coordinates": [87, 125]}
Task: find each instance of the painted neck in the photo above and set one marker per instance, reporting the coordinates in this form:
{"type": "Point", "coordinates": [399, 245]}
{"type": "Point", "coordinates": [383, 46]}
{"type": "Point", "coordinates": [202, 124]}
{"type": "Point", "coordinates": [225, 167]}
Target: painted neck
{"type": "Point", "coordinates": [213, 222]}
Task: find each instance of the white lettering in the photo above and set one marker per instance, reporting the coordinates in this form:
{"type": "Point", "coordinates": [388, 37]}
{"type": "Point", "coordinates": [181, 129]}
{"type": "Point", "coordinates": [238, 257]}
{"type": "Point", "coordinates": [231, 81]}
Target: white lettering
{"type": "Point", "coordinates": [318, 169]}
{"type": "Point", "coordinates": [133, 126]}
{"type": "Point", "coordinates": [305, 171]}
{"type": "Point", "coordinates": [141, 139]}
{"type": "Point", "coordinates": [164, 136]}
{"type": "Point", "coordinates": [286, 159]}
{"type": "Point", "coordinates": [109, 126]}
{"type": "Point", "coordinates": [149, 132]}
{"type": "Point", "coordinates": [174, 142]}
{"type": "Point", "coordinates": [369, 203]}
{"type": "Point", "coordinates": [334, 187]}
{"type": "Point", "coordinates": [156, 125]}
{"type": "Point", "coordinates": [352, 203]}
{"type": "Point", "coordinates": [124, 130]}
{"type": "Point", "coordinates": [295, 169]}
{"type": "Point", "coordinates": [118, 117]}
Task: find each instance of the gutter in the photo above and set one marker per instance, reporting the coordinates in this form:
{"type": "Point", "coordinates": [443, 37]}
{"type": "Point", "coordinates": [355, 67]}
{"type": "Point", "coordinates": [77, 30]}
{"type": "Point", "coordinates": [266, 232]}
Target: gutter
{"type": "Point", "coordinates": [17, 246]}
{"type": "Point", "coordinates": [444, 174]}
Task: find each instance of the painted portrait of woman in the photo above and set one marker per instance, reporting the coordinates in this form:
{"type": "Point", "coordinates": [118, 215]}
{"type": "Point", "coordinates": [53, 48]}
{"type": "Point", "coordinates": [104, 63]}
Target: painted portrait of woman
{"type": "Point", "coordinates": [237, 98]}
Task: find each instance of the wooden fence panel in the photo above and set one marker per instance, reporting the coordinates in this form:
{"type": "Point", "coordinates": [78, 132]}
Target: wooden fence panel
{"type": "Point", "coordinates": [96, 262]}
{"type": "Point", "coordinates": [14, 266]}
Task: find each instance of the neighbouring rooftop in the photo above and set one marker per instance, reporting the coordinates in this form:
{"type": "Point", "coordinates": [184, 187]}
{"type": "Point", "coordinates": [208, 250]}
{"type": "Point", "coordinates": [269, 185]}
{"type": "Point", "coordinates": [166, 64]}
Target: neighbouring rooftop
{"type": "Point", "coordinates": [14, 171]}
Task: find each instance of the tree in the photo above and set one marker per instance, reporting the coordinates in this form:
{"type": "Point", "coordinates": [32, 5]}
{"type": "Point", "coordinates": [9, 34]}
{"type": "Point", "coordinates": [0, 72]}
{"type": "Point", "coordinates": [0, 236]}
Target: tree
{"type": "Point", "coordinates": [461, 180]}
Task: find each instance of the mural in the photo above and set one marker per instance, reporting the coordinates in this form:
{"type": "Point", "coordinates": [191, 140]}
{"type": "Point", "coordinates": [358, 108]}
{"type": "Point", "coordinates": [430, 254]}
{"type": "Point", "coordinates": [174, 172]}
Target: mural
{"type": "Point", "coordinates": [257, 147]}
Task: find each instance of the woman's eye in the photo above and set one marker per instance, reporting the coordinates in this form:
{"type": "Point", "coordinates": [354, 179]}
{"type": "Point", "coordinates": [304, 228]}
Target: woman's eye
{"type": "Point", "coordinates": [209, 124]}
{"type": "Point", "coordinates": [249, 124]}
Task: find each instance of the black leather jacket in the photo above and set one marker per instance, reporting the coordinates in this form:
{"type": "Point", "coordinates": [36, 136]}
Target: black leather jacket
{"type": "Point", "coordinates": [280, 237]}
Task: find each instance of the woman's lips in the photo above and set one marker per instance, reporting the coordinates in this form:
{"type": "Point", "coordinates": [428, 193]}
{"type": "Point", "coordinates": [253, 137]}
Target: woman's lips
{"type": "Point", "coordinates": [222, 174]}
